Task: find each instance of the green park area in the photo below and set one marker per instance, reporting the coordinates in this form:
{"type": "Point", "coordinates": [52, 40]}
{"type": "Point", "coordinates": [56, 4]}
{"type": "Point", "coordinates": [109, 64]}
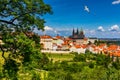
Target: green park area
{"type": "Point", "coordinates": [60, 57]}
{"type": "Point", "coordinates": [71, 66]}
{"type": "Point", "coordinates": [86, 66]}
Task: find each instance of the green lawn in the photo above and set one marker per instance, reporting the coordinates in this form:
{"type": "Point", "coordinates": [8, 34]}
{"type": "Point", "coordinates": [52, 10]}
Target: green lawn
{"type": "Point", "coordinates": [60, 57]}
{"type": "Point", "coordinates": [54, 56]}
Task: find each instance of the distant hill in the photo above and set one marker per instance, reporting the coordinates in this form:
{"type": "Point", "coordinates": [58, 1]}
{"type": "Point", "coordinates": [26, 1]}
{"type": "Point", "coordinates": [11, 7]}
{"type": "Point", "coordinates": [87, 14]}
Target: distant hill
{"type": "Point", "coordinates": [111, 40]}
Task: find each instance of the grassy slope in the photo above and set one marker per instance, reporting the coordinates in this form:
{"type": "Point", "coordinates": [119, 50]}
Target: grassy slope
{"type": "Point", "coordinates": [60, 57]}
{"type": "Point", "coordinates": [55, 57]}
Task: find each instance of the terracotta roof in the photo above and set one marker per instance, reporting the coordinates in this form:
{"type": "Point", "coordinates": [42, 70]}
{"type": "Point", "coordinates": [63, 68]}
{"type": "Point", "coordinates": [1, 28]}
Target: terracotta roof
{"type": "Point", "coordinates": [77, 46]}
{"type": "Point", "coordinates": [45, 37]}
{"type": "Point", "coordinates": [105, 50]}
{"type": "Point", "coordinates": [112, 47]}
{"type": "Point", "coordinates": [65, 43]}
{"type": "Point", "coordinates": [58, 37]}
{"type": "Point", "coordinates": [95, 49]}
{"type": "Point", "coordinates": [68, 39]}
{"type": "Point", "coordinates": [116, 53]}
{"type": "Point", "coordinates": [102, 45]}
{"type": "Point", "coordinates": [84, 46]}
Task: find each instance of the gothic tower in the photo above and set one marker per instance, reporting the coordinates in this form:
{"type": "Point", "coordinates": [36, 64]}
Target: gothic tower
{"type": "Point", "coordinates": [77, 34]}
{"type": "Point", "coordinates": [77, 31]}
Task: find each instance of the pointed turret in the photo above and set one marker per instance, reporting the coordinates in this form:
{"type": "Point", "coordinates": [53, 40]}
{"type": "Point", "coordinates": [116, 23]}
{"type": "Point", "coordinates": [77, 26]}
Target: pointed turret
{"type": "Point", "coordinates": [77, 31]}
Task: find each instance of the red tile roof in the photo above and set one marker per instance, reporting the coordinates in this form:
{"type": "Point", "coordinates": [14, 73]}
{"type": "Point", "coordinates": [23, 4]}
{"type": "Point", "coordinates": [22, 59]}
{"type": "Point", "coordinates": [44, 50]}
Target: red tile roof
{"type": "Point", "coordinates": [58, 37]}
{"type": "Point", "coordinates": [45, 37]}
{"type": "Point", "coordinates": [77, 46]}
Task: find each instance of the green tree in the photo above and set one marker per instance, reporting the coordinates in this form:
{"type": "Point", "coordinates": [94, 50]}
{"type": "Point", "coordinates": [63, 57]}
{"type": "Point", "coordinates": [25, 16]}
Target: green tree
{"type": "Point", "coordinates": [80, 57]}
{"type": "Point", "coordinates": [23, 14]}
{"type": "Point", "coordinates": [91, 65]}
{"type": "Point", "coordinates": [68, 76]}
{"type": "Point", "coordinates": [103, 60]}
{"type": "Point", "coordinates": [18, 18]}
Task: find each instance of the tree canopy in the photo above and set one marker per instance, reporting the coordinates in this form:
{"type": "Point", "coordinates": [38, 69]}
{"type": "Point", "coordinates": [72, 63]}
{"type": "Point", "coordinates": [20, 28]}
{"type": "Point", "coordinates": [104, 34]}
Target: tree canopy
{"type": "Point", "coordinates": [18, 18]}
{"type": "Point", "coordinates": [23, 14]}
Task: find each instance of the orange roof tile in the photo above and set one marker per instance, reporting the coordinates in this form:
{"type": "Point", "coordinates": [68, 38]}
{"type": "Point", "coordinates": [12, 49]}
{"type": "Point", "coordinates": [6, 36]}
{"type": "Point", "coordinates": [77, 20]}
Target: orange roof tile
{"type": "Point", "coordinates": [68, 39]}
{"type": "Point", "coordinates": [65, 43]}
{"type": "Point", "coordinates": [45, 37]}
{"type": "Point", "coordinates": [58, 37]}
{"type": "Point", "coordinates": [112, 47]}
{"type": "Point", "coordinates": [84, 46]}
{"type": "Point", "coordinates": [77, 46]}
{"type": "Point", "coordinates": [115, 54]}
{"type": "Point", "coordinates": [102, 45]}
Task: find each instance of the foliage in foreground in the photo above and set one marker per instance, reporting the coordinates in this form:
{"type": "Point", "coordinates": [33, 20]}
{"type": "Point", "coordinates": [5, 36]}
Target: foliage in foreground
{"type": "Point", "coordinates": [26, 58]}
{"type": "Point", "coordinates": [85, 67]}
{"type": "Point", "coordinates": [18, 19]}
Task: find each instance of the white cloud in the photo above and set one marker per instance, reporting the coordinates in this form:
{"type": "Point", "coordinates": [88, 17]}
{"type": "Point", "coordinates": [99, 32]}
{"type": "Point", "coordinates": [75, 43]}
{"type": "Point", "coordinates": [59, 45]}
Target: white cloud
{"type": "Point", "coordinates": [86, 8]}
{"type": "Point", "coordinates": [51, 30]}
{"type": "Point", "coordinates": [114, 28]}
{"type": "Point", "coordinates": [116, 2]}
{"type": "Point", "coordinates": [92, 32]}
{"type": "Point", "coordinates": [48, 28]}
{"type": "Point", "coordinates": [56, 32]}
{"type": "Point", "coordinates": [100, 28]}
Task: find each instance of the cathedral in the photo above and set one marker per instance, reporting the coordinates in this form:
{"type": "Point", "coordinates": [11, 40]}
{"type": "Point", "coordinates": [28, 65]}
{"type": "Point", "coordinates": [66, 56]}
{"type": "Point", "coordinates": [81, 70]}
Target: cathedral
{"type": "Point", "coordinates": [77, 34]}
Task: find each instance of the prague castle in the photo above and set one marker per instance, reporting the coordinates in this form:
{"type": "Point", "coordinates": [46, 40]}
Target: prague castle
{"type": "Point", "coordinates": [78, 34]}
{"type": "Point", "coordinates": [78, 37]}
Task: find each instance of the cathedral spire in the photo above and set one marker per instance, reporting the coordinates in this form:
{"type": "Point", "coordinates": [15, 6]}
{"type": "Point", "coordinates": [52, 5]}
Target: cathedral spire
{"type": "Point", "coordinates": [77, 34]}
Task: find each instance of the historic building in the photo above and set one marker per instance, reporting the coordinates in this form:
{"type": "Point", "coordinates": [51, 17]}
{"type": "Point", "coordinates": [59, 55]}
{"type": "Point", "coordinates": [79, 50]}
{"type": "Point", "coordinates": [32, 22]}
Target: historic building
{"type": "Point", "coordinates": [77, 34]}
{"type": "Point", "coordinates": [78, 37]}
{"type": "Point", "coordinates": [46, 42]}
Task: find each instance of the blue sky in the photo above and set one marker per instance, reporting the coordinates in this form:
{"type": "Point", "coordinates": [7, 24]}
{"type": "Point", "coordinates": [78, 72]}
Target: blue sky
{"type": "Point", "coordinates": [100, 18]}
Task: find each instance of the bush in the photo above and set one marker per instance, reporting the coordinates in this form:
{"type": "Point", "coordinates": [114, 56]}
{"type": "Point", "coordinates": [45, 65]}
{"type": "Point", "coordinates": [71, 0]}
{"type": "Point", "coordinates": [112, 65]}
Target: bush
{"type": "Point", "coordinates": [79, 57]}
{"type": "Point", "coordinates": [91, 65]}
{"type": "Point", "coordinates": [116, 65]}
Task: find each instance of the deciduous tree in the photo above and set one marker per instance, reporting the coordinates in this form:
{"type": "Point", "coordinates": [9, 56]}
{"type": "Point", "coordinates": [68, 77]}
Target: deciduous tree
{"type": "Point", "coordinates": [18, 18]}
